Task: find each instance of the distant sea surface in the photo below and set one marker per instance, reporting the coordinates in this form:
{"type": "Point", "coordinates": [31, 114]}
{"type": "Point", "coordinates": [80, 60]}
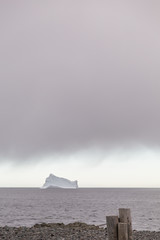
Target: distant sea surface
{"type": "Point", "coordinates": [27, 206]}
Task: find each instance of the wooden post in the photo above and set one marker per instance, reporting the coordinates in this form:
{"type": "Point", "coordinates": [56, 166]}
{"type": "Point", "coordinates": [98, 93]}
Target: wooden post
{"type": "Point", "coordinates": [112, 227]}
{"type": "Point", "coordinates": [125, 217]}
{"type": "Point", "coordinates": [122, 231]}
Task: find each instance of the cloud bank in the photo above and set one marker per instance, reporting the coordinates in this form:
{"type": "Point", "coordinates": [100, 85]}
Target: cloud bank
{"type": "Point", "coordinates": [78, 74]}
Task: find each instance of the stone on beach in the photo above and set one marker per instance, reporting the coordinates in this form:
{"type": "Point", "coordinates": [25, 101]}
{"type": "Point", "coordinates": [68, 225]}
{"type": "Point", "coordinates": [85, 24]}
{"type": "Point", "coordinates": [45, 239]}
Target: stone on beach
{"type": "Point", "coordinates": [60, 231]}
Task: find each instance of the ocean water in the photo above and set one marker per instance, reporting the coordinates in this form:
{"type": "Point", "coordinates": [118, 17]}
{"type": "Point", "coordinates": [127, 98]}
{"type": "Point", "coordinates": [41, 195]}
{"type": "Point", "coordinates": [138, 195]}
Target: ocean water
{"type": "Point", "coordinates": [27, 206]}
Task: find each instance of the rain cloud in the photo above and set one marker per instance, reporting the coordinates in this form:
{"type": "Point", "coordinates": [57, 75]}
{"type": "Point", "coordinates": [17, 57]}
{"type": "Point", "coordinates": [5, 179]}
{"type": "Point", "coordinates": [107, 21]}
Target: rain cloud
{"type": "Point", "coordinates": [76, 74]}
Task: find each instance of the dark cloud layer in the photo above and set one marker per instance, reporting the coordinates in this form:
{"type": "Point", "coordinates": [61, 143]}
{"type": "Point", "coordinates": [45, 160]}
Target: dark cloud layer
{"type": "Point", "coordinates": [77, 73]}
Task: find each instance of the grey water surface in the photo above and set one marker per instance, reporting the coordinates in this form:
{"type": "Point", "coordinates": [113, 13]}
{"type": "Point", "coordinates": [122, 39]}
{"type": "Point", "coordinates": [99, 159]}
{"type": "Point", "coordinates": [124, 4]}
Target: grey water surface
{"type": "Point", "coordinates": [27, 206]}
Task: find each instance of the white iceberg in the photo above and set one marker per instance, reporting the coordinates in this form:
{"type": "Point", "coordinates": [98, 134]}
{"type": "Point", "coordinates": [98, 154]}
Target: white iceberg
{"type": "Point", "coordinates": [57, 182]}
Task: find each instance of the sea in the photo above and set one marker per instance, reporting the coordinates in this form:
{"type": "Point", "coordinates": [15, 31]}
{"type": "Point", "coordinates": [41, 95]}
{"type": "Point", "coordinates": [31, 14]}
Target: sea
{"type": "Point", "coordinates": [28, 206]}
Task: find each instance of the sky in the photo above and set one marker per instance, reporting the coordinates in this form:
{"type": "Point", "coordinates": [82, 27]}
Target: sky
{"type": "Point", "coordinates": [80, 92]}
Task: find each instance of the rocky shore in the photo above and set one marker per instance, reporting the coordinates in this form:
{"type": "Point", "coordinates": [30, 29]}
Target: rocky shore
{"type": "Point", "coordinates": [72, 231]}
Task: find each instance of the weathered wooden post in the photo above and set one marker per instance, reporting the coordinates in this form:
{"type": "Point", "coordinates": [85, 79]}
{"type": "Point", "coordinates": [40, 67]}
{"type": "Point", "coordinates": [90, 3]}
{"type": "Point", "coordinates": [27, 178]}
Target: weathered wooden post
{"type": "Point", "coordinates": [122, 231]}
{"type": "Point", "coordinates": [112, 227]}
{"type": "Point", "coordinates": [125, 217]}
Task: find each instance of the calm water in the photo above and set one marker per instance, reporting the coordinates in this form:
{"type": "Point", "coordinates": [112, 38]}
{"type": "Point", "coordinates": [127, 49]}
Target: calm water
{"type": "Point", "coordinates": [32, 205]}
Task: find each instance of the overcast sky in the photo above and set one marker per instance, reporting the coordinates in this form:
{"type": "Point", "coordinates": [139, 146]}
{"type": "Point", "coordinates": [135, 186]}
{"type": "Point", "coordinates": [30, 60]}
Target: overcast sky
{"type": "Point", "coordinates": [80, 92]}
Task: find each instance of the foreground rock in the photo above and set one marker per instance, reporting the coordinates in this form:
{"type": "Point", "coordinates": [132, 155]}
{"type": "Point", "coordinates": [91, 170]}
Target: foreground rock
{"type": "Point", "coordinates": [59, 231]}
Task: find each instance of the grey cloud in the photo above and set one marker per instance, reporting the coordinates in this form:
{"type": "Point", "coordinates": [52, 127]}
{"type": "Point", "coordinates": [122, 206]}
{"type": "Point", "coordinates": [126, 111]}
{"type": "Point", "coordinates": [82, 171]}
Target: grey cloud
{"type": "Point", "coordinates": [78, 73]}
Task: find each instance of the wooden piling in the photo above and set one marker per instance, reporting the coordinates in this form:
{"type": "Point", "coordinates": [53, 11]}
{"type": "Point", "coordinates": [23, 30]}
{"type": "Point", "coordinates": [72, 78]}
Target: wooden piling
{"type": "Point", "coordinates": [125, 217]}
{"type": "Point", "coordinates": [122, 231]}
{"type": "Point", "coordinates": [112, 227]}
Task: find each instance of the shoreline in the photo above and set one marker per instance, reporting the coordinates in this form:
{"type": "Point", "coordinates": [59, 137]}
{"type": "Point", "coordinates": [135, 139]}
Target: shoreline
{"type": "Point", "coordinates": [71, 231]}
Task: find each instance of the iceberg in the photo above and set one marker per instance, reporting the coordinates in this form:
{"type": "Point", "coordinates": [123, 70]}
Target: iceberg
{"type": "Point", "coordinates": [58, 182]}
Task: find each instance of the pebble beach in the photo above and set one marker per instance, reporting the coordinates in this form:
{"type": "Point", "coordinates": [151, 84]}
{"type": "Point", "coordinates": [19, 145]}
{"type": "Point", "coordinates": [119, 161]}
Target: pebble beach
{"type": "Point", "coordinates": [72, 231]}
